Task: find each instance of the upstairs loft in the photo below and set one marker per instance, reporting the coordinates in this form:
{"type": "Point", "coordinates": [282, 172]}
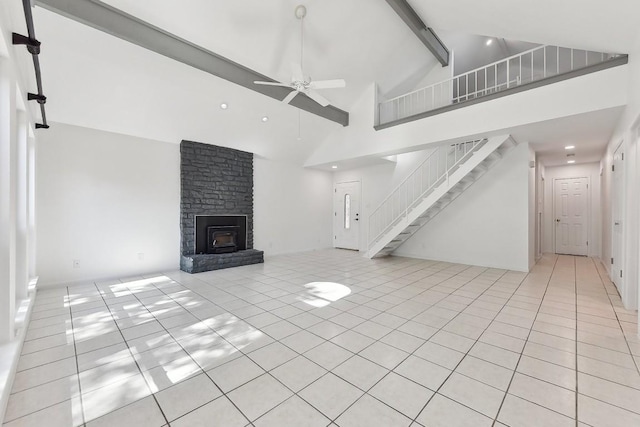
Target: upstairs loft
{"type": "Point", "coordinates": [533, 68]}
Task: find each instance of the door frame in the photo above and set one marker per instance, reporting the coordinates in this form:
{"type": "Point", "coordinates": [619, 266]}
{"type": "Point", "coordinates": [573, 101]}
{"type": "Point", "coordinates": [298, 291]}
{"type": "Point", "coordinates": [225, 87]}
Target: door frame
{"type": "Point", "coordinates": [588, 213]}
{"type": "Point", "coordinates": [335, 210]}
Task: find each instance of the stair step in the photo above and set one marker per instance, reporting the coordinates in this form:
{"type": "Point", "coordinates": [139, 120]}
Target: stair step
{"type": "Point", "coordinates": [495, 155]}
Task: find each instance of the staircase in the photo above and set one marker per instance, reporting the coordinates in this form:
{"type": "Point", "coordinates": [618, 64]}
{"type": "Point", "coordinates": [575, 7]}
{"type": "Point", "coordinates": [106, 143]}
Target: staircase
{"type": "Point", "coordinates": [446, 173]}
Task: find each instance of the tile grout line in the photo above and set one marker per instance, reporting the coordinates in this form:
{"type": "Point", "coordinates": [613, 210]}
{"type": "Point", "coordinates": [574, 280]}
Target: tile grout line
{"type": "Point", "coordinates": [365, 392]}
{"type": "Point", "coordinates": [414, 420]}
{"type": "Point", "coordinates": [412, 353]}
{"type": "Point", "coordinates": [618, 320]}
{"type": "Point", "coordinates": [575, 275]}
{"type": "Point", "coordinates": [75, 356]}
{"type": "Point", "coordinates": [469, 279]}
{"type": "Point", "coordinates": [330, 371]}
{"type": "Point", "coordinates": [515, 368]}
{"type": "Point", "coordinates": [301, 354]}
{"type": "Point", "coordinates": [100, 292]}
{"type": "Point", "coordinates": [450, 292]}
{"type": "Point", "coordinates": [75, 352]}
{"type": "Point", "coordinates": [467, 352]}
{"type": "Point", "coordinates": [204, 371]}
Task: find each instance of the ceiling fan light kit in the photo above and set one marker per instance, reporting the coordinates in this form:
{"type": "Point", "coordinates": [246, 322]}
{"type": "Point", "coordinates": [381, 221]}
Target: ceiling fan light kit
{"type": "Point", "coordinates": [301, 11]}
{"type": "Point", "coordinates": [298, 82]}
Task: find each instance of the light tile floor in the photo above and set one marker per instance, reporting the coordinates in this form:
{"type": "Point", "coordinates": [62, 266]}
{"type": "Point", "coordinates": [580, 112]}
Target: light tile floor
{"type": "Point", "coordinates": [328, 338]}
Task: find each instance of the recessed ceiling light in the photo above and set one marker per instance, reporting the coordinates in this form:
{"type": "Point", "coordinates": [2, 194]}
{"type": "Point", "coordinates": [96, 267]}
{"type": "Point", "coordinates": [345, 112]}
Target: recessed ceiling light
{"type": "Point", "coordinates": [489, 41]}
{"type": "Point", "coordinates": [224, 105]}
{"type": "Point", "coordinates": [569, 147]}
{"type": "Point", "coordinates": [571, 161]}
{"type": "Point", "coordinates": [265, 119]}
{"type": "Point", "coordinates": [334, 167]}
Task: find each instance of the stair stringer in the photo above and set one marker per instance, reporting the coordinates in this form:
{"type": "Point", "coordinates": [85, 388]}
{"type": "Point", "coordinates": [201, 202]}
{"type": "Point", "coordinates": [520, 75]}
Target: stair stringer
{"type": "Point", "coordinates": [433, 203]}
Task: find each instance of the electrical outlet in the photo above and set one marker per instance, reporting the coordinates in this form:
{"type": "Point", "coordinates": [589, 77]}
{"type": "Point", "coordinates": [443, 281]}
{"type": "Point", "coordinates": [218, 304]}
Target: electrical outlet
{"type": "Point", "coordinates": [76, 263]}
{"type": "Point", "coordinates": [140, 256]}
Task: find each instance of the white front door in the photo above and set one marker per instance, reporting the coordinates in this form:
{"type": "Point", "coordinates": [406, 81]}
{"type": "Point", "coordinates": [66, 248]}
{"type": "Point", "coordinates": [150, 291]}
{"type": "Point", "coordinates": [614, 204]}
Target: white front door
{"type": "Point", "coordinates": [571, 221]}
{"type": "Point", "coordinates": [346, 217]}
{"type": "Point", "coordinates": [617, 242]}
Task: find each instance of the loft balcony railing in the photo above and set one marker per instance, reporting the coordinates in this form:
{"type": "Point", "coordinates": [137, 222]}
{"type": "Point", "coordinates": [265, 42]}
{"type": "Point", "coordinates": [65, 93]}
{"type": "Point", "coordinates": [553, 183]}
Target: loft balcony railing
{"type": "Point", "coordinates": [527, 67]}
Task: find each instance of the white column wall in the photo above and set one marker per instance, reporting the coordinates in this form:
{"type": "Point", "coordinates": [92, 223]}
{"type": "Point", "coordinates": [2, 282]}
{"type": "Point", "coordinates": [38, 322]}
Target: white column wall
{"type": "Point", "coordinates": [8, 160]}
{"type": "Point", "coordinates": [17, 118]}
{"type": "Point", "coordinates": [31, 205]}
{"type": "Point", "coordinates": [292, 207]}
{"type": "Point", "coordinates": [22, 176]}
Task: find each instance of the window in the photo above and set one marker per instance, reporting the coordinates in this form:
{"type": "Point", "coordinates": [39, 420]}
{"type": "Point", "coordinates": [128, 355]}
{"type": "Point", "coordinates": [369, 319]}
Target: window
{"type": "Point", "coordinates": [347, 211]}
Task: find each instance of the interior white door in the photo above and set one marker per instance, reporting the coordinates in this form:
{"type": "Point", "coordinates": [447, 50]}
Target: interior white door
{"type": "Point", "coordinates": [571, 216]}
{"type": "Point", "coordinates": [346, 225]}
{"type": "Point", "coordinates": [617, 241]}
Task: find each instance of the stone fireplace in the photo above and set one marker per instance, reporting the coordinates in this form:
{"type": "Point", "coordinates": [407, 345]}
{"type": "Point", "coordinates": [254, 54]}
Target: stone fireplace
{"type": "Point", "coordinates": [216, 208]}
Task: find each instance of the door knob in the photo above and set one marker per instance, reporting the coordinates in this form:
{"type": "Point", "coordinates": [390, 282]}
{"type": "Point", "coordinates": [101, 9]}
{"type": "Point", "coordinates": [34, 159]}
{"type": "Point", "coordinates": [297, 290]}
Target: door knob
{"type": "Point", "coordinates": [557, 220]}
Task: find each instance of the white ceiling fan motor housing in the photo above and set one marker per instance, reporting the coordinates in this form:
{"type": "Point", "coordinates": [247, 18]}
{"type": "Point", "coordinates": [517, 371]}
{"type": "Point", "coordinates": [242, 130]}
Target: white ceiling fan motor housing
{"type": "Point", "coordinates": [301, 11]}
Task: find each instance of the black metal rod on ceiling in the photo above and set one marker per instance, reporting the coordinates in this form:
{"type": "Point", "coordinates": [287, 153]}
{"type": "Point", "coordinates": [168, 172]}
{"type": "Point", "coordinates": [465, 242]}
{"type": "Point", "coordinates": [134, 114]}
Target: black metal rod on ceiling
{"type": "Point", "coordinates": [33, 46]}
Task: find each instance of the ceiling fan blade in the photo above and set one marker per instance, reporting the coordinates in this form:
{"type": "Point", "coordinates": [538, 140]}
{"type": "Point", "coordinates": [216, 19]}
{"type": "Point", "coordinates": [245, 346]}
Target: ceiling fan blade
{"type": "Point", "coordinates": [327, 84]}
{"type": "Point", "coordinates": [271, 84]}
{"type": "Point", "coordinates": [317, 97]}
{"type": "Point", "coordinates": [296, 72]}
{"type": "Point", "coordinates": [287, 99]}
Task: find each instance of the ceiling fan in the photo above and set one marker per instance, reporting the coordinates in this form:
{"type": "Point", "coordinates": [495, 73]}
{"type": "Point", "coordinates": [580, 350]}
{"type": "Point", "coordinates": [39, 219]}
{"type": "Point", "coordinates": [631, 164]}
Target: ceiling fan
{"type": "Point", "coordinates": [298, 82]}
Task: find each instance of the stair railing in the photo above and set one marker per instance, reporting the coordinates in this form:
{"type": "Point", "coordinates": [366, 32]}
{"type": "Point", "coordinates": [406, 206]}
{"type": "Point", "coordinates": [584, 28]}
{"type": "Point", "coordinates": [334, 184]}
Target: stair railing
{"type": "Point", "coordinates": [425, 178]}
{"type": "Point", "coordinates": [526, 67]}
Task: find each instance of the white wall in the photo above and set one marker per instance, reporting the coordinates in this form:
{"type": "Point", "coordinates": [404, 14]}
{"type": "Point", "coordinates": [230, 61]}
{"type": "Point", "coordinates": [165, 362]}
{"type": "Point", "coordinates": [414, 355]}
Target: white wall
{"type": "Point", "coordinates": [487, 225]}
{"type": "Point", "coordinates": [471, 230]}
{"type": "Point", "coordinates": [292, 207]}
{"type": "Point", "coordinates": [587, 170]}
{"type": "Point", "coordinates": [103, 198]}
{"type": "Point", "coordinates": [591, 92]}
{"type": "Point", "coordinates": [17, 126]}
{"type": "Point", "coordinates": [532, 207]}
{"type": "Point", "coordinates": [377, 182]}
{"type": "Point", "coordinates": [540, 177]}
{"type": "Point", "coordinates": [626, 132]}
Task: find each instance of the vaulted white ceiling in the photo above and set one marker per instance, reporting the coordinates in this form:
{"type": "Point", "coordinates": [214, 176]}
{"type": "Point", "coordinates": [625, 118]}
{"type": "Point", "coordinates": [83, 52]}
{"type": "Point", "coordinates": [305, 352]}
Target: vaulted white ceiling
{"type": "Point", "coordinates": [606, 26]}
{"type": "Point", "coordinates": [95, 80]}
